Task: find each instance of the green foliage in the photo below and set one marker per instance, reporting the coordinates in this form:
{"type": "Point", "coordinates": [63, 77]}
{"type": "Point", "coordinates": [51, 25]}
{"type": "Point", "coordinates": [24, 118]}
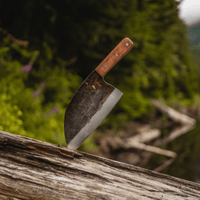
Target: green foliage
{"type": "Point", "coordinates": [23, 110]}
{"type": "Point", "coordinates": [73, 37]}
{"type": "Point", "coordinates": [159, 65]}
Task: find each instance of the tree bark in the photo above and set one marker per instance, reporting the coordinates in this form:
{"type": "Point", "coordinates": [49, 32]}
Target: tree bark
{"type": "Point", "coordinates": [31, 169]}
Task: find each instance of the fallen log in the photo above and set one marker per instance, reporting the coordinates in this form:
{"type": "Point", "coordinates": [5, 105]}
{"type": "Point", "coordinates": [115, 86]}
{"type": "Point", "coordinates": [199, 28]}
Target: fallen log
{"type": "Point", "coordinates": [31, 169]}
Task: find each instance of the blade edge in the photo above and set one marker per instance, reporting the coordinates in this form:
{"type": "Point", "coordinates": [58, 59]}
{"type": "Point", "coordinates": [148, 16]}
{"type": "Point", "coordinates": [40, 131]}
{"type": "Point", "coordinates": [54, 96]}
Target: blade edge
{"type": "Point", "coordinates": [96, 120]}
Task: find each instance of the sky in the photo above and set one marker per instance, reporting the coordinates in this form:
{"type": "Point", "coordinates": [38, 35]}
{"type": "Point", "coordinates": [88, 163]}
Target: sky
{"type": "Point", "coordinates": [189, 11]}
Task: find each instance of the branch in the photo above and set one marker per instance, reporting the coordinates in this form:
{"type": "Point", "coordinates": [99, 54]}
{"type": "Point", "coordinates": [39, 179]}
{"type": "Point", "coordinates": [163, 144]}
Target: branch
{"type": "Point", "coordinates": [164, 165]}
{"type": "Point", "coordinates": [173, 114]}
{"type": "Point", "coordinates": [145, 136]}
{"type": "Point", "coordinates": [20, 42]}
{"type": "Point", "coordinates": [149, 148]}
{"type": "Point", "coordinates": [187, 122]}
{"type": "Point", "coordinates": [177, 132]}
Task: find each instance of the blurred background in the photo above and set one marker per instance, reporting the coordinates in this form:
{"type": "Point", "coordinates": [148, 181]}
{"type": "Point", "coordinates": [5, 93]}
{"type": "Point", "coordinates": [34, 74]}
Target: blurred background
{"type": "Point", "coordinates": [47, 48]}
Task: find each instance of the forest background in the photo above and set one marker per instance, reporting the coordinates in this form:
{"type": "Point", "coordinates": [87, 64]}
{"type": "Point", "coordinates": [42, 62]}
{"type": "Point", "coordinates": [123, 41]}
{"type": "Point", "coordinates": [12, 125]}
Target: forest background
{"type": "Point", "coordinates": [47, 48]}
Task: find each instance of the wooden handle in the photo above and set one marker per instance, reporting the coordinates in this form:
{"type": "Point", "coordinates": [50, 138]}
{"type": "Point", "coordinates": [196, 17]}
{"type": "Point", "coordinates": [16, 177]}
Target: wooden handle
{"type": "Point", "coordinates": [114, 57]}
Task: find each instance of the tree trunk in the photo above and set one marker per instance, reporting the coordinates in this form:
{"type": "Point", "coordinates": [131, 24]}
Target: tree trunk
{"type": "Point", "coordinates": [31, 169]}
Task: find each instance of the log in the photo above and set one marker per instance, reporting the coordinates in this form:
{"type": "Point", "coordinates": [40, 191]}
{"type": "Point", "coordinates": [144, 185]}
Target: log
{"type": "Point", "coordinates": [32, 169]}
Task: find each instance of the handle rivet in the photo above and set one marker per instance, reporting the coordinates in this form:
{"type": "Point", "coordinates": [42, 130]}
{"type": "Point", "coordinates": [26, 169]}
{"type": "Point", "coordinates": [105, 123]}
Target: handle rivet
{"type": "Point", "coordinates": [127, 44]}
{"type": "Point", "coordinates": [105, 66]}
{"type": "Point", "coordinates": [116, 55]}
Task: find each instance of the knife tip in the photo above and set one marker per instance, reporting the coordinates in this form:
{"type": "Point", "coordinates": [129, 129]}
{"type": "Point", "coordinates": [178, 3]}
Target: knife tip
{"type": "Point", "coordinates": [72, 147]}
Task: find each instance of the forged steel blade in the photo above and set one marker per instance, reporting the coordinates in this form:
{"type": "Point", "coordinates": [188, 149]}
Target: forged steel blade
{"type": "Point", "coordinates": [94, 100]}
{"type": "Point", "coordinates": [90, 106]}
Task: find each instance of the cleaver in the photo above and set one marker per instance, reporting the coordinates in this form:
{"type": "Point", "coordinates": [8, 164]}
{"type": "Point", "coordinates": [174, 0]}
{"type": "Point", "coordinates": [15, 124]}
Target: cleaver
{"type": "Point", "coordinates": [94, 100]}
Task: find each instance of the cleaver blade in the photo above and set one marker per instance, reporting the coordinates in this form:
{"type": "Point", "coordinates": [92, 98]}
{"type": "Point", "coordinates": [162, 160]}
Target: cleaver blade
{"type": "Point", "coordinates": [94, 100]}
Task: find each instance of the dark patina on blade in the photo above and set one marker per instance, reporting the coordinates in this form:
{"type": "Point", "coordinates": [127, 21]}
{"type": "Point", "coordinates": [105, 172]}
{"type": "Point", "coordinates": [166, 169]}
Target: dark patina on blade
{"type": "Point", "coordinates": [85, 104]}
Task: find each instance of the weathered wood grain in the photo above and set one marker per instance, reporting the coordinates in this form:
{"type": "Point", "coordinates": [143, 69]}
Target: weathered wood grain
{"type": "Point", "coordinates": [31, 169]}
